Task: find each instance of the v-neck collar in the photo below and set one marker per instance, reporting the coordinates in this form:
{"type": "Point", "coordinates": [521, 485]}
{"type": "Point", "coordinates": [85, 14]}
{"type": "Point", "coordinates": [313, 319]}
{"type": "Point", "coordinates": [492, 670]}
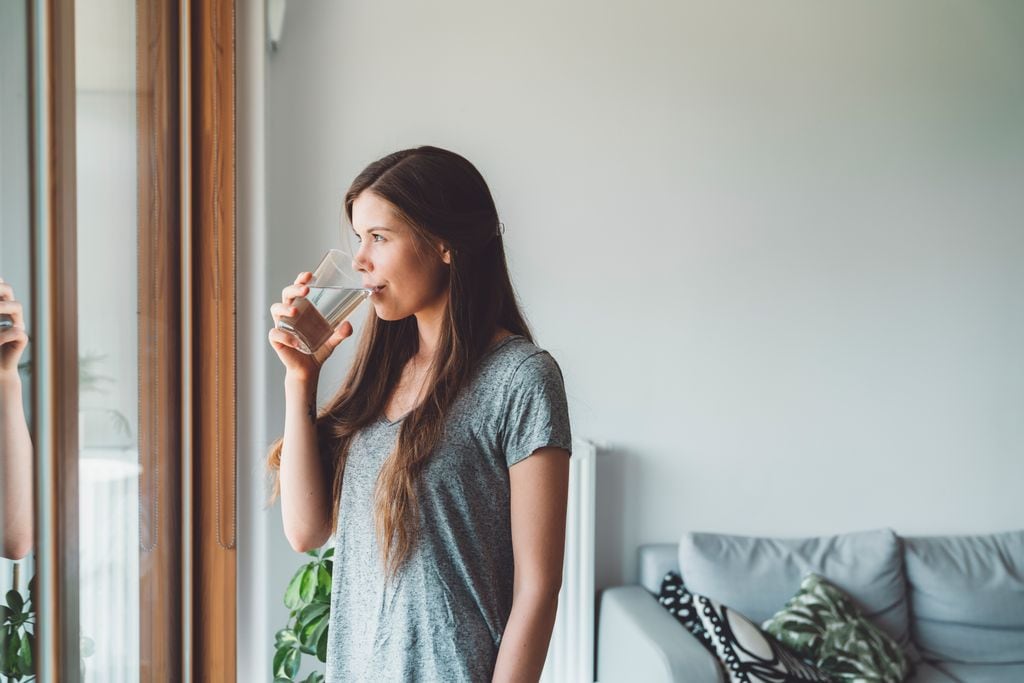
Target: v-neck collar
{"type": "Point", "coordinates": [497, 345]}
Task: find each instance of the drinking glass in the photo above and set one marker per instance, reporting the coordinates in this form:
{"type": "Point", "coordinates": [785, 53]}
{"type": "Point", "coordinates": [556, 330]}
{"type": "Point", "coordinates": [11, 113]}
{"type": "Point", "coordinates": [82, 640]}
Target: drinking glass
{"type": "Point", "coordinates": [333, 296]}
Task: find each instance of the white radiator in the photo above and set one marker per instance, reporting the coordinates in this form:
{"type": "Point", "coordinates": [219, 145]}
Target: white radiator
{"type": "Point", "coordinates": [571, 653]}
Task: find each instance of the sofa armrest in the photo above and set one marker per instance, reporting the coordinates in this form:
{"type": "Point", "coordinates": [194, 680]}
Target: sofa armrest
{"type": "Point", "coordinates": [638, 640]}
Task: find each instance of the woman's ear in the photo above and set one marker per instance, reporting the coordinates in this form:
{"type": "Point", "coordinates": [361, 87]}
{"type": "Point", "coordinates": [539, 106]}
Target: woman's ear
{"type": "Point", "coordinates": [446, 255]}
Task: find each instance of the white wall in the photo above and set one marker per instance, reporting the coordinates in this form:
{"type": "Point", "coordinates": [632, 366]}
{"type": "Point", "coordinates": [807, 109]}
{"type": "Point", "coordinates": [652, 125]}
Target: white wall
{"type": "Point", "coordinates": [776, 248]}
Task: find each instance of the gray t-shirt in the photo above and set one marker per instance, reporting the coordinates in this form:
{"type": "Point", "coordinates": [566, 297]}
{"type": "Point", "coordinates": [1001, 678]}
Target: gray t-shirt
{"type": "Point", "coordinates": [442, 617]}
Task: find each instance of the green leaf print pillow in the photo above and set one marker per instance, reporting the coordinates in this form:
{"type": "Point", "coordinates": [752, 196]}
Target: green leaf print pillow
{"type": "Point", "coordinates": [822, 624]}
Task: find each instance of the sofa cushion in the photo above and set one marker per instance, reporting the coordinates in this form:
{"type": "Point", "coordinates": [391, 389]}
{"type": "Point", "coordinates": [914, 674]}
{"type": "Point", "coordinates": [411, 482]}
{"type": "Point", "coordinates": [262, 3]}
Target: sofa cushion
{"type": "Point", "coordinates": [966, 597]}
{"type": "Point", "coordinates": [982, 673]}
{"type": "Point", "coordinates": [678, 600]}
{"type": "Point", "coordinates": [926, 673]}
{"type": "Point", "coordinates": [748, 654]}
{"type": "Point", "coordinates": [655, 560]}
{"type": "Point", "coordinates": [821, 624]}
{"type": "Point", "coordinates": [758, 575]}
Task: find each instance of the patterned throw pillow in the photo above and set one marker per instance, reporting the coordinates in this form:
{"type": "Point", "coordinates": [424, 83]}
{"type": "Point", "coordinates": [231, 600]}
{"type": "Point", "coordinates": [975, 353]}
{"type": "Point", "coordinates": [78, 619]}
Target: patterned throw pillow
{"type": "Point", "coordinates": [679, 602]}
{"type": "Point", "coordinates": [822, 624]}
{"type": "Point", "coordinates": [748, 654]}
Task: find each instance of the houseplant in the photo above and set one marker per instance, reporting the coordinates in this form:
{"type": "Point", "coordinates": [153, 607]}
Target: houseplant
{"type": "Point", "coordinates": [308, 597]}
{"type": "Point", "coordinates": [17, 632]}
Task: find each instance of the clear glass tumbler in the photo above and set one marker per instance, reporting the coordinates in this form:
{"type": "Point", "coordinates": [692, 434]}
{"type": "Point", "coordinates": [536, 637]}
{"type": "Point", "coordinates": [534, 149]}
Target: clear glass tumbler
{"type": "Point", "coordinates": [333, 296]}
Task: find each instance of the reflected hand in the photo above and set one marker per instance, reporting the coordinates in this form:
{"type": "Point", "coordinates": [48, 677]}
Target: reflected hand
{"type": "Point", "coordinates": [300, 365]}
{"type": "Point", "coordinates": [13, 340]}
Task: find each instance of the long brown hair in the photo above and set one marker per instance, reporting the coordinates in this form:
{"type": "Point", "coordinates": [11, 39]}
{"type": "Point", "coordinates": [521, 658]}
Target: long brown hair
{"type": "Point", "coordinates": [442, 196]}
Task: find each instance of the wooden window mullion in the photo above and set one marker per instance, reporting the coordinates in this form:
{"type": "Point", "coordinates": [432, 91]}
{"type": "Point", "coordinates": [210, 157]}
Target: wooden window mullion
{"type": "Point", "coordinates": [214, 466]}
{"type": "Point", "coordinates": [159, 342]}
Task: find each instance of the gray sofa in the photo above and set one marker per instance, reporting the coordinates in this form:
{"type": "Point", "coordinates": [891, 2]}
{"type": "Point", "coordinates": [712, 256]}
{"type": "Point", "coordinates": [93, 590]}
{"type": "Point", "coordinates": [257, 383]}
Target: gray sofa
{"type": "Point", "coordinates": [955, 603]}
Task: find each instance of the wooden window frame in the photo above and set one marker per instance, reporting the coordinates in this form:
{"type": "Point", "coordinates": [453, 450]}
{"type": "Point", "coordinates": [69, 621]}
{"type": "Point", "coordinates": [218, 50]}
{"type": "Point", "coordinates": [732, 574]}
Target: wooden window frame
{"type": "Point", "coordinates": [187, 292]}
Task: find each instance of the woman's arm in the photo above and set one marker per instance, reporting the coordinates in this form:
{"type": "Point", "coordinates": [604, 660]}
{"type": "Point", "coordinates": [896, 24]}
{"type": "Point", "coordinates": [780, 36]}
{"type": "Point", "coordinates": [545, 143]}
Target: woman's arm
{"type": "Point", "coordinates": [539, 496]}
{"type": "Point", "coordinates": [15, 443]}
{"type": "Point", "coordinates": [305, 491]}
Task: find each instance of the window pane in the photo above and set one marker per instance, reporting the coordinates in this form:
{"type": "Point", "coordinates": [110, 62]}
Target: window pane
{"type": "Point", "coordinates": [109, 463]}
{"type": "Point", "coordinates": [16, 568]}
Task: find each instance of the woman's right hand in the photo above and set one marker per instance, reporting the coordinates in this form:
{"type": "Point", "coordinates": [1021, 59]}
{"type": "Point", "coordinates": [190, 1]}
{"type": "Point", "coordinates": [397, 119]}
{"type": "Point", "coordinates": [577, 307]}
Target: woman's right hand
{"type": "Point", "coordinates": [13, 340]}
{"type": "Point", "coordinates": [299, 365]}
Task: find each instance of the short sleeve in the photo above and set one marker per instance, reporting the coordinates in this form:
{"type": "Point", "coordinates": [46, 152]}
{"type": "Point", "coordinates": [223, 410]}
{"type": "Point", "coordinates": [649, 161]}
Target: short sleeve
{"type": "Point", "coordinates": [536, 414]}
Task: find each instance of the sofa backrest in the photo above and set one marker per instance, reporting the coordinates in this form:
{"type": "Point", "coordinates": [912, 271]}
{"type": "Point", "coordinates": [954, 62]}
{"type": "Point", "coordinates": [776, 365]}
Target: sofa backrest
{"type": "Point", "coordinates": [656, 560]}
{"type": "Point", "coordinates": [757, 576]}
{"type": "Point", "coordinates": [967, 597]}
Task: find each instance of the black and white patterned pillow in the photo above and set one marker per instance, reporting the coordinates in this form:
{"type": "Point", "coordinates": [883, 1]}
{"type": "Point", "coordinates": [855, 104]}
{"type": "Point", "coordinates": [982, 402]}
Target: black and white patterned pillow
{"type": "Point", "coordinates": [748, 654]}
{"type": "Point", "coordinates": [679, 602]}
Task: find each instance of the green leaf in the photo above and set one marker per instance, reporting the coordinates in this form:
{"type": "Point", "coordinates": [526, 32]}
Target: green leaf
{"type": "Point", "coordinates": [307, 643]}
{"type": "Point", "coordinates": [15, 601]}
{"type": "Point", "coordinates": [286, 637]}
{"type": "Point", "coordinates": [323, 583]}
{"type": "Point", "coordinates": [318, 633]}
{"type": "Point", "coordinates": [292, 599]}
{"type": "Point", "coordinates": [314, 677]}
{"type": "Point", "coordinates": [25, 654]}
{"type": "Point", "coordinates": [321, 646]}
{"type": "Point", "coordinates": [328, 553]}
{"type": "Point", "coordinates": [291, 663]}
{"type": "Point", "coordinates": [282, 679]}
{"type": "Point", "coordinates": [313, 553]}
{"type": "Point", "coordinates": [313, 612]}
{"type": "Point", "coordinates": [278, 666]}
{"type": "Point", "coordinates": [307, 588]}
{"type": "Point", "coordinates": [11, 652]}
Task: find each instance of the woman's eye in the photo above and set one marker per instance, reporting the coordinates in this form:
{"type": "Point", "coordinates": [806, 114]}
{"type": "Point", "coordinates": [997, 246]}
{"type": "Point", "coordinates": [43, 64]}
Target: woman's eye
{"type": "Point", "coordinates": [380, 236]}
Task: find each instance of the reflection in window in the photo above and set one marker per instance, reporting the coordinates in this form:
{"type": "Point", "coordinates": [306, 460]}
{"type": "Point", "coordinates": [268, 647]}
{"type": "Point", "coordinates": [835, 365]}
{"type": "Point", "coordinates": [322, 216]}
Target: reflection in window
{"type": "Point", "coordinates": [106, 129]}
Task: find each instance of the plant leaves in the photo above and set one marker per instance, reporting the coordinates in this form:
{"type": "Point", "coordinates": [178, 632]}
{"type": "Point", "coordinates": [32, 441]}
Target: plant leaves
{"type": "Point", "coordinates": [328, 553]}
{"type": "Point", "coordinates": [25, 654]}
{"type": "Point", "coordinates": [307, 588]}
{"type": "Point", "coordinates": [291, 663]}
{"type": "Point", "coordinates": [307, 643]}
{"type": "Point", "coordinates": [279, 655]}
{"type": "Point", "coordinates": [292, 599]}
{"type": "Point", "coordinates": [319, 632]}
{"type": "Point", "coordinates": [313, 612]}
{"type": "Point", "coordinates": [15, 601]}
{"type": "Point", "coordinates": [323, 584]}
{"type": "Point", "coordinates": [285, 637]}
{"type": "Point", "coordinates": [321, 646]}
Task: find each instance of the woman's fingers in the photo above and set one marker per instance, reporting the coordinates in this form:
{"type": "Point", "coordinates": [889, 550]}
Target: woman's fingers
{"type": "Point", "coordinates": [341, 333]}
{"type": "Point", "coordinates": [6, 291]}
{"type": "Point", "coordinates": [281, 338]}
{"type": "Point", "coordinates": [289, 293]}
{"type": "Point", "coordinates": [13, 309]}
{"type": "Point", "coordinates": [13, 335]}
{"type": "Point", "coordinates": [278, 311]}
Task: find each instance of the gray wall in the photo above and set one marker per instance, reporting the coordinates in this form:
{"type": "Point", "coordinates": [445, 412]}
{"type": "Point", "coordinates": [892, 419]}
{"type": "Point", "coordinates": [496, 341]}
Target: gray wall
{"type": "Point", "coordinates": [776, 248]}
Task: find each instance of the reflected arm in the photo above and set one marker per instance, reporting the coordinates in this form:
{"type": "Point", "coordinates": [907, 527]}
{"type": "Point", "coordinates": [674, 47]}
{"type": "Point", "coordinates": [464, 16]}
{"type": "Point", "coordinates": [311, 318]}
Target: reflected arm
{"type": "Point", "coordinates": [15, 471]}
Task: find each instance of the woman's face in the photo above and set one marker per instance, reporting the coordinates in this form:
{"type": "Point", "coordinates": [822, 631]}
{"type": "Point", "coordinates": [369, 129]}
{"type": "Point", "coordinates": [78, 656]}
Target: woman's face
{"type": "Point", "coordinates": [388, 254]}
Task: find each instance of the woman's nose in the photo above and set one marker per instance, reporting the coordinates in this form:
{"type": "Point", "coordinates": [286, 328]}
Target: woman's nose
{"type": "Point", "coordinates": [359, 264]}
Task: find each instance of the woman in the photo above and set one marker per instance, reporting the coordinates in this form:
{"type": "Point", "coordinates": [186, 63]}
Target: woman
{"type": "Point", "coordinates": [442, 461]}
{"type": "Point", "coordinates": [15, 443]}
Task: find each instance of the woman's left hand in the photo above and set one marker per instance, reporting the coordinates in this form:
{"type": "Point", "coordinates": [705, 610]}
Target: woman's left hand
{"type": "Point", "coordinates": [13, 340]}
